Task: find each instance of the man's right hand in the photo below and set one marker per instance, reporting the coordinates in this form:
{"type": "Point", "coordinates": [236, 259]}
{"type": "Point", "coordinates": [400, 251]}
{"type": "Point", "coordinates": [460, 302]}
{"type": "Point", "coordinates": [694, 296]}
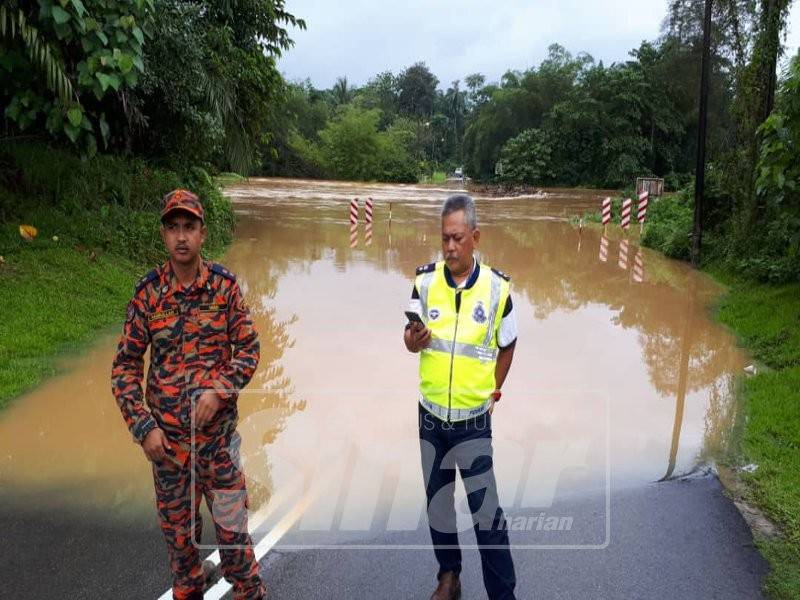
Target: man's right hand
{"type": "Point", "coordinates": [155, 445]}
{"type": "Point", "coordinates": [417, 337]}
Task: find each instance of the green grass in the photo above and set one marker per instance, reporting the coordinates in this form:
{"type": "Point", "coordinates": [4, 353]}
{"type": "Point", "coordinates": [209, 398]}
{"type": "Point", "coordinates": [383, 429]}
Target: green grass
{"type": "Point", "coordinates": [225, 179]}
{"type": "Point", "coordinates": [435, 177]}
{"type": "Point", "coordinates": [54, 300]}
{"type": "Point", "coordinates": [766, 319]}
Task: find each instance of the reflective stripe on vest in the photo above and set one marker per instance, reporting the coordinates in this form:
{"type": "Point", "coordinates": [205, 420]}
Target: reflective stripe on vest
{"type": "Point", "coordinates": [482, 353]}
{"type": "Point", "coordinates": [456, 414]}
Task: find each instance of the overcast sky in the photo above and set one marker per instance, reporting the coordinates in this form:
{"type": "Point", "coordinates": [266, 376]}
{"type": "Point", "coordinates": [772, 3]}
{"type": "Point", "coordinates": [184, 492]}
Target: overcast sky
{"type": "Point", "coordinates": [359, 38]}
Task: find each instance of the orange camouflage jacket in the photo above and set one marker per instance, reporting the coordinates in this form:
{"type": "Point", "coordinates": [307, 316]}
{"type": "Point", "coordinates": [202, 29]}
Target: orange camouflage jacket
{"type": "Point", "coordinates": [200, 337]}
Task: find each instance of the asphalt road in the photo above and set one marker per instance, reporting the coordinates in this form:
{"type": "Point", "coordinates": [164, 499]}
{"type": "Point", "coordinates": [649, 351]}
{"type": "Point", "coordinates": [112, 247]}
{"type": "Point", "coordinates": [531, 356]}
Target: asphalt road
{"type": "Point", "coordinates": [678, 539]}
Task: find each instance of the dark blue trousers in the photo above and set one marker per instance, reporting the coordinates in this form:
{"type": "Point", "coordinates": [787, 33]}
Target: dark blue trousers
{"type": "Point", "coordinates": [466, 445]}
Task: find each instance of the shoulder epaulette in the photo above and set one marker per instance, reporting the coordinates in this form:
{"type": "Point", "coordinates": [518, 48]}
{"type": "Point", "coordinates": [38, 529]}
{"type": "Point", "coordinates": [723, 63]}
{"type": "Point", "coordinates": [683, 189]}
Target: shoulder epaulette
{"type": "Point", "coordinates": [220, 270]}
{"type": "Point", "coordinates": [152, 275]}
{"type": "Point", "coordinates": [502, 275]}
{"type": "Point", "coordinates": [426, 268]}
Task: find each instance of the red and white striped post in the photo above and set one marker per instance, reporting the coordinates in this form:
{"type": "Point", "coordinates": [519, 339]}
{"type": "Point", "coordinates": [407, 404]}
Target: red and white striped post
{"type": "Point", "coordinates": [606, 211]}
{"type": "Point", "coordinates": [603, 249]}
{"type": "Point", "coordinates": [354, 235]}
{"type": "Point", "coordinates": [354, 211]}
{"type": "Point", "coordinates": [625, 221]}
{"type": "Point", "coordinates": [368, 211]}
{"type": "Point", "coordinates": [641, 213]}
{"type": "Point", "coordinates": [623, 255]}
{"type": "Point", "coordinates": [638, 267]}
{"type": "Point", "coordinates": [368, 235]}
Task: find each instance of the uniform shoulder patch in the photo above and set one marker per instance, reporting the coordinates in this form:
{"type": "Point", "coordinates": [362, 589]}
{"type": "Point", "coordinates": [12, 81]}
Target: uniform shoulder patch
{"type": "Point", "coordinates": [429, 268]}
{"type": "Point", "coordinates": [151, 276]}
{"type": "Point", "coordinates": [220, 270]}
{"type": "Point", "coordinates": [502, 275]}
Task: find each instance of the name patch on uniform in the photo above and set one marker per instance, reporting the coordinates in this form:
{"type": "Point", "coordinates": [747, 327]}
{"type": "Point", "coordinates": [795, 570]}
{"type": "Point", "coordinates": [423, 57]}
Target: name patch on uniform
{"type": "Point", "coordinates": [207, 308]}
{"type": "Point", "coordinates": [164, 314]}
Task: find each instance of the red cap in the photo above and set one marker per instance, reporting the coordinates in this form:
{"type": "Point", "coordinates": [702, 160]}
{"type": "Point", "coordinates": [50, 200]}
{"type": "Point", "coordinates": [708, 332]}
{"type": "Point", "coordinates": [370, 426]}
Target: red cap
{"type": "Point", "coordinates": [183, 200]}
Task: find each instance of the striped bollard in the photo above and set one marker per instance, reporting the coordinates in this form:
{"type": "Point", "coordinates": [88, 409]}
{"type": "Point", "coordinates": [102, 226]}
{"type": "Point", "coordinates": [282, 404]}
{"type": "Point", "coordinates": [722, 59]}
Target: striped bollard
{"type": "Point", "coordinates": [623, 255]}
{"type": "Point", "coordinates": [603, 249]}
{"type": "Point", "coordinates": [368, 211]}
{"type": "Point", "coordinates": [368, 235]}
{"type": "Point", "coordinates": [354, 211]}
{"type": "Point", "coordinates": [606, 211]}
{"type": "Point", "coordinates": [638, 267]}
{"type": "Point", "coordinates": [641, 213]}
{"type": "Point", "coordinates": [354, 235]}
{"type": "Point", "coordinates": [625, 222]}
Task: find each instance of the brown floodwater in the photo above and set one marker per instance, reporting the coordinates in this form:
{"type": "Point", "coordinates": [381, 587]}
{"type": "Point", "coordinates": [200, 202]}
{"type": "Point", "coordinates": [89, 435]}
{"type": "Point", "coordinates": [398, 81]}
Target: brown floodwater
{"type": "Point", "coordinates": [615, 380]}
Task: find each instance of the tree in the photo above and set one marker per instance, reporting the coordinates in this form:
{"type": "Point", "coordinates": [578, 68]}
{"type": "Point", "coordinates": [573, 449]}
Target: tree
{"type": "Point", "coordinates": [521, 102]}
{"type": "Point", "coordinates": [91, 53]}
{"type": "Point", "coordinates": [417, 90]}
{"type": "Point", "coordinates": [341, 92]}
{"type": "Point", "coordinates": [475, 83]}
{"type": "Point", "coordinates": [14, 24]}
{"type": "Point", "coordinates": [215, 104]}
{"type": "Point", "coordinates": [129, 91]}
{"type": "Point", "coordinates": [527, 158]}
{"type": "Point", "coordinates": [456, 107]}
{"type": "Point", "coordinates": [380, 92]}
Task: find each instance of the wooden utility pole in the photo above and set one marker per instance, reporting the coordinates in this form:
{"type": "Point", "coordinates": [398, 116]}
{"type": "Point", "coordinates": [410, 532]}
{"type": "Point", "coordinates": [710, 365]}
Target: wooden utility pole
{"type": "Point", "coordinates": [700, 169]}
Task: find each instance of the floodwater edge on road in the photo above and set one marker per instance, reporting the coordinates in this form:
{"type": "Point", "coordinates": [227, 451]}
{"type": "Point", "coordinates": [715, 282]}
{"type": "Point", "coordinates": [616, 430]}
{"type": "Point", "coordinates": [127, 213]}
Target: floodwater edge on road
{"type": "Point", "coordinates": [760, 468]}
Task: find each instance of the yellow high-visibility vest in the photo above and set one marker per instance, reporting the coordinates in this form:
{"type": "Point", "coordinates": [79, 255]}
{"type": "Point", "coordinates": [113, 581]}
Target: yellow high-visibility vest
{"type": "Point", "coordinates": [456, 371]}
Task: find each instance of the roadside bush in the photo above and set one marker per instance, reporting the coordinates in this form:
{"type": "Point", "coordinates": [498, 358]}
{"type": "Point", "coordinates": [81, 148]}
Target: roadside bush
{"type": "Point", "coordinates": [668, 227]}
{"type": "Point", "coordinates": [107, 203]}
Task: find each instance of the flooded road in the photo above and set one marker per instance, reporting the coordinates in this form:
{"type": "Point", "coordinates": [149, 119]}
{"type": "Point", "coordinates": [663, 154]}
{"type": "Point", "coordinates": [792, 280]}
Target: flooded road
{"type": "Point", "coordinates": [616, 383]}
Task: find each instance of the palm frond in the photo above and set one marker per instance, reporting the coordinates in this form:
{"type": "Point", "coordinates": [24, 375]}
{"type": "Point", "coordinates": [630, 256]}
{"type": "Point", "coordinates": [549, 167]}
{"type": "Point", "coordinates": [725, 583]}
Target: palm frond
{"type": "Point", "coordinates": [221, 101]}
{"type": "Point", "coordinates": [14, 25]}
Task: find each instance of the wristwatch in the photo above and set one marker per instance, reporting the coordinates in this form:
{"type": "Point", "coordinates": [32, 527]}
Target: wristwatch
{"type": "Point", "coordinates": [496, 395]}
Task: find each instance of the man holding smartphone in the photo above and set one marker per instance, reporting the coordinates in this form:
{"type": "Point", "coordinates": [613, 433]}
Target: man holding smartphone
{"type": "Point", "coordinates": [466, 333]}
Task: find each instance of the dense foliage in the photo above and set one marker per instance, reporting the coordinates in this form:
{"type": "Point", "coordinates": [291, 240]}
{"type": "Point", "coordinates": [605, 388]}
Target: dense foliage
{"type": "Point", "coordinates": [107, 204]}
{"type": "Point", "coordinates": [185, 83]}
{"type": "Point", "coordinates": [97, 49]}
{"type": "Point", "coordinates": [179, 82]}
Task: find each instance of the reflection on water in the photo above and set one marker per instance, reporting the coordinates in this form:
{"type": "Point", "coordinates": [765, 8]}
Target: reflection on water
{"type": "Point", "coordinates": [609, 371]}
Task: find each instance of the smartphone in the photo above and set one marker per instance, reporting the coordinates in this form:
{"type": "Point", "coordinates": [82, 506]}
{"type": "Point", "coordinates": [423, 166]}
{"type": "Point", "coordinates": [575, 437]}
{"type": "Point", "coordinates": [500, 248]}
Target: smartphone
{"type": "Point", "coordinates": [414, 318]}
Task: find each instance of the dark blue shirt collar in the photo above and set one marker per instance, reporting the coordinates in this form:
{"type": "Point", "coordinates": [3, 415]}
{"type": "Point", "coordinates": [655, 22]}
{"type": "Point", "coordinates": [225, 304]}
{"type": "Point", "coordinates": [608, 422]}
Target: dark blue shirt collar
{"type": "Point", "coordinates": [473, 277]}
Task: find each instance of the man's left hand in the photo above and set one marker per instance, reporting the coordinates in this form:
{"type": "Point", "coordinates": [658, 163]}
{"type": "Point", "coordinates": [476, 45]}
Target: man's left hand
{"type": "Point", "coordinates": [207, 406]}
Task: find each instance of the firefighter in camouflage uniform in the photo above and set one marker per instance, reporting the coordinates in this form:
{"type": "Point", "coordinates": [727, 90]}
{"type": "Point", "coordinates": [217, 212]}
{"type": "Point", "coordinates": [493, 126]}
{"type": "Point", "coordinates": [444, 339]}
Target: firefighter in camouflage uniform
{"type": "Point", "coordinates": [203, 349]}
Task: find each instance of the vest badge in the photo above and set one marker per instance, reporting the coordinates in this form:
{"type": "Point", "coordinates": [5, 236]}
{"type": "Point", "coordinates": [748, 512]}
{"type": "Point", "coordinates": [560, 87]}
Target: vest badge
{"type": "Point", "coordinates": [479, 313]}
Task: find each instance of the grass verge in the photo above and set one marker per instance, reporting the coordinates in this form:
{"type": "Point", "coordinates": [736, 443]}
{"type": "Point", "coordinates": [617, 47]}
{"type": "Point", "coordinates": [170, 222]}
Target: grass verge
{"type": "Point", "coordinates": [766, 319]}
{"type": "Point", "coordinates": [54, 299]}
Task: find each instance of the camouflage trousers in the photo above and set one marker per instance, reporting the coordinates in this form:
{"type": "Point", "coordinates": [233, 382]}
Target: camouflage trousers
{"type": "Point", "coordinates": [219, 479]}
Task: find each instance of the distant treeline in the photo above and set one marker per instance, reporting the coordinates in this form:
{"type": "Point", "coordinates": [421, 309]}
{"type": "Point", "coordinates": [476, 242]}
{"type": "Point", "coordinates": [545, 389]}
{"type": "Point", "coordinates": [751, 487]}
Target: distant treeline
{"type": "Point", "coordinates": [572, 120]}
{"type": "Point", "coordinates": [187, 84]}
